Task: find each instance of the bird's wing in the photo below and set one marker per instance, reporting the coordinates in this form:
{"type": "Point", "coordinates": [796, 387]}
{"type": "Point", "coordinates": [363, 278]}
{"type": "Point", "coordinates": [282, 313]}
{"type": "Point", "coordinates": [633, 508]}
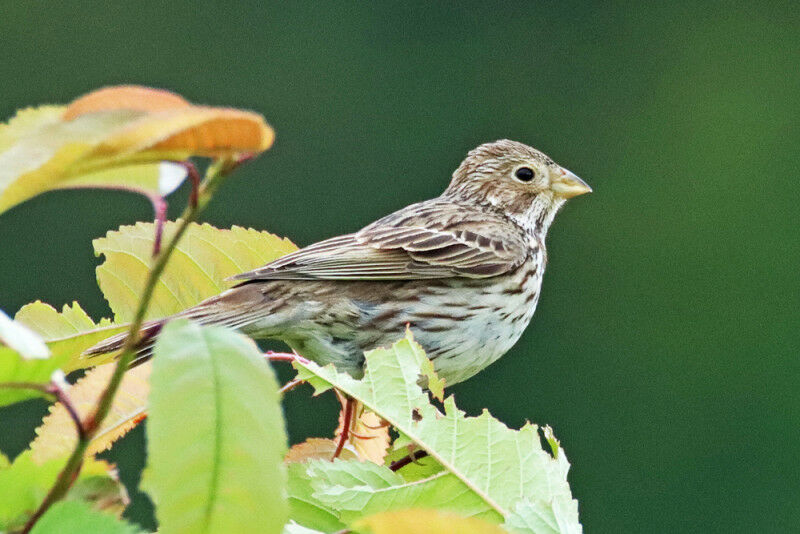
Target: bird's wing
{"type": "Point", "coordinates": [427, 240]}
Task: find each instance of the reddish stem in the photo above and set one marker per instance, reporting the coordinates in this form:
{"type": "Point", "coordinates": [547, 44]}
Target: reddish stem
{"type": "Point", "coordinates": [402, 462]}
{"type": "Point", "coordinates": [160, 209]}
{"type": "Point", "coordinates": [61, 394]}
{"type": "Point", "coordinates": [348, 406]}
{"type": "Point", "coordinates": [289, 386]}
{"type": "Point", "coordinates": [284, 357]}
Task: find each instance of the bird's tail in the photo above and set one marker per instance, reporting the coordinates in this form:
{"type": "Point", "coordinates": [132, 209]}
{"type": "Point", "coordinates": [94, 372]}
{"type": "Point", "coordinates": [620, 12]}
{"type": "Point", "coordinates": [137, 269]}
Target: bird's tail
{"type": "Point", "coordinates": [234, 308]}
{"type": "Point", "coordinates": [144, 348]}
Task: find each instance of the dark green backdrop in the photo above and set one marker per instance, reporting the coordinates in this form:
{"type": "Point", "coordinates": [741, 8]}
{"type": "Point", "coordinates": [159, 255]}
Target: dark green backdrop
{"type": "Point", "coordinates": [665, 348]}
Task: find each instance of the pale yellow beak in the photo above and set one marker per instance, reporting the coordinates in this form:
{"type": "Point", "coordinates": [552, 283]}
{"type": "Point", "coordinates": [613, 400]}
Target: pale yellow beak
{"type": "Point", "coordinates": [567, 185]}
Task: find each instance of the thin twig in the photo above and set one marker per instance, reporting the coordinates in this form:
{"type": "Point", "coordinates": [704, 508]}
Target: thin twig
{"type": "Point", "coordinates": [290, 385]}
{"type": "Point", "coordinates": [160, 210]}
{"type": "Point", "coordinates": [215, 174]}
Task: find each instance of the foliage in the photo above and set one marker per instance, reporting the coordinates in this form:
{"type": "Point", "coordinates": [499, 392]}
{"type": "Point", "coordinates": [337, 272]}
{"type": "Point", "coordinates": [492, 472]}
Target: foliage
{"type": "Point", "coordinates": [223, 472]}
{"type": "Point", "coordinates": [217, 451]}
{"type": "Point", "coordinates": [24, 483]}
{"type": "Point", "coordinates": [470, 451]}
{"type": "Point", "coordinates": [57, 434]}
{"type": "Point", "coordinates": [76, 517]}
{"type": "Point", "coordinates": [129, 129]}
{"type": "Point", "coordinates": [206, 257]}
{"type": "Point", "coordinates": [24, 361]}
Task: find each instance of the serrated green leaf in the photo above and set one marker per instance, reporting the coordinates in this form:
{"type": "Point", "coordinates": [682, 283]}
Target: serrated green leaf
{"type": "Point", "coordinates": [67, 333]}
{"type": "Point", "coordinates": [357, 489]}
{"type": "Point", "coordinates": [204, 258]}
{"type": "Point", "coordinates": [303, 507]}
{"type": "Point", "coordinates": [215, 434]}
{"type": "Point", "coordinates": [24, 484]}
{"type": "Point", "coordinates": [500, 465]}
{"type": "Point", "coordinates": [539, 517]}
{"type": "Point", "coordinates": [76, 517]}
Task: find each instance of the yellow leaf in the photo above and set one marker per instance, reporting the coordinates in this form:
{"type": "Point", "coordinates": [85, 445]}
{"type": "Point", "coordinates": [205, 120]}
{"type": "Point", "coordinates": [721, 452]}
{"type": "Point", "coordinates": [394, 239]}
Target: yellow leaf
{"type": "Point", "coordinates": [54, 147]}
{"type": "Point", "coordinates": [316, 449]}
{"type": "Point", "coordinates": [57, 435]}
{"type": "Point", "coordinates": [68, 333]}
{"type": "Point", "coordinates": [204, 258]}
{"type": "Point", "coordinates": [423, 521]}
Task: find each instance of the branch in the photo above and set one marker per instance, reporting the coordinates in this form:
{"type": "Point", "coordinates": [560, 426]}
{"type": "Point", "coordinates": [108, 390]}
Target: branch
{"type": "Point", "coordinates": [215, 174]}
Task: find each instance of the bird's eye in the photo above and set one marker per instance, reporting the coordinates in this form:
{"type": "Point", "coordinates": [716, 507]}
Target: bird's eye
{"type": "Point", "coordinates": [524, 174]}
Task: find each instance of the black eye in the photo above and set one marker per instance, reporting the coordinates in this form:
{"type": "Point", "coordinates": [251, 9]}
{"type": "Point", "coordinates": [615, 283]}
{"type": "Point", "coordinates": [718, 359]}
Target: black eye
{"type": "Point", "coordinates": [524, 174]}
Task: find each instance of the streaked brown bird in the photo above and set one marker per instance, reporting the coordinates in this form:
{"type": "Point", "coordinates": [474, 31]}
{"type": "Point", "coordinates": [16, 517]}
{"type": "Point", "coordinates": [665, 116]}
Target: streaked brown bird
{"type": "Point", "coordinates": [464, 270]}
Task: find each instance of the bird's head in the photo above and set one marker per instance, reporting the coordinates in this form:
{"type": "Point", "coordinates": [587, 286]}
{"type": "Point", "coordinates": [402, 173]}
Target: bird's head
{"type": "Point", "coordinates": [518, 179]}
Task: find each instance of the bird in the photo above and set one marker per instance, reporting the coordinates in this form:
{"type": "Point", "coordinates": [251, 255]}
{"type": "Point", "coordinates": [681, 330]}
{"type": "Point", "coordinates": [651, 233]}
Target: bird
{"type": "Point", "coordinates": [463, 271]}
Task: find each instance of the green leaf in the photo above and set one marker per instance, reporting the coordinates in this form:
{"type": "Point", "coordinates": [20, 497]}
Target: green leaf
{"type": "Point", "coordinates": [197, 270]}
{"type": "Point", "coordinates": [294, 528]}
{"type": "Point", "coordinates": [20, 338]}
{"type": "Point", "coordinates": [501, 466]}
{"type": "Point", "coordinates": [76, 517]}
{"type": "Point", "coordinates": [215, 434]}
{"type": "Point", "coordinates": [68, 333]}
{"type": "Point", "coordinates": [24, 484]}
{"type": "Point", "coordinates": [539, 517]}
{"type": "Point", "coordinates": [24, 360]}
{"type": "Point", "coordinates": [304, 507]}
{"type": "Point", "coordinates": [357, 489]}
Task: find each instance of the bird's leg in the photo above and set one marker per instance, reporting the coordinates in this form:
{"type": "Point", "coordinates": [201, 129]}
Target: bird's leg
{"type": "Point", "coordinates": [348, 405]}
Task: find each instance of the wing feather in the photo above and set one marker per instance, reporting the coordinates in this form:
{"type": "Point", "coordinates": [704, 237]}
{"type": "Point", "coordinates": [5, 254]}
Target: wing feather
{"type": "Point", "coordinates": [434, 239]}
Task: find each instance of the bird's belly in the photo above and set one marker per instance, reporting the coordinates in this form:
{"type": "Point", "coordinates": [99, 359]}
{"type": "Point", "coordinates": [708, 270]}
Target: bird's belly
{"type": "Point", "coordinates": [475, 326]}
{"type": "Point", "coordinates": [463, 324]}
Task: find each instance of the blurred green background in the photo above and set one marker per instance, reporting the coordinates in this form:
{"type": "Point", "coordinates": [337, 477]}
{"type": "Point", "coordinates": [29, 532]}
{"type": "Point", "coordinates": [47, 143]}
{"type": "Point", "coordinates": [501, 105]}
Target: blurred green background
{"type": "Point", "coordinates": [665, 348]}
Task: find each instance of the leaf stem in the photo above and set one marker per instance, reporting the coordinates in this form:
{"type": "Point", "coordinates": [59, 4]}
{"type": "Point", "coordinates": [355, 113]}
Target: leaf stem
{"type": "Point", "coordinates": [56, 387]}
{"type": "Point", "coordinates": [215, 174]}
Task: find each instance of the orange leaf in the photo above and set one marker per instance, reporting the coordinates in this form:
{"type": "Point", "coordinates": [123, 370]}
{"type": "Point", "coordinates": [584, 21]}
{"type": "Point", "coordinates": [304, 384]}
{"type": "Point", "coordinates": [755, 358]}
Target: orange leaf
{"type": "Point", "coordinates": [55, 147]}
{"type": "Point", "coordinates": [369, 435]}
{"type": "Point", "coordinates": [316, 449]}
{"type": "Point", "coordinates": [124, 97]}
